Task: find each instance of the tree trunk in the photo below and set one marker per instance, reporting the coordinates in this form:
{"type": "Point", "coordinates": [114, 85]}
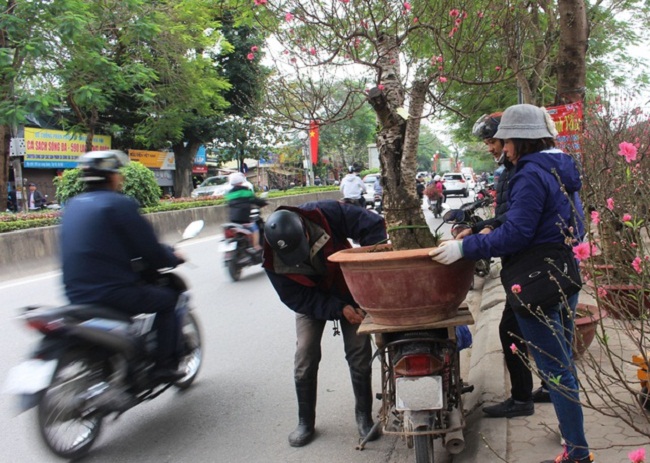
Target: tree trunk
{"type": "Point", "coordinates": [571, 62]}
{"type": "Point", "coordinates": [397, 143]}
{"type": "Point", "coordinates": [184, 156]}
{"type": "Point", "coordinates": [4, 164]}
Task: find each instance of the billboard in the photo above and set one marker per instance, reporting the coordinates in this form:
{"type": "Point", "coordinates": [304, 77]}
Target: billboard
{"type": "Point", "coordinates": [163, 160]}
{"type": "Point", "coordinates": [56, 149]}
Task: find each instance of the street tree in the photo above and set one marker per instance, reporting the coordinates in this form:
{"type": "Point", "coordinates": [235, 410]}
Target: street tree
{"type": "Point", "coordinates": [406, 54]}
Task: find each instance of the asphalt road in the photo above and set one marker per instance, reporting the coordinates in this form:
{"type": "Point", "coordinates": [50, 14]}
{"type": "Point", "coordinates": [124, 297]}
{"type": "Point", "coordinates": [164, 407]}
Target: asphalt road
{"type": "Point", "coordinates": [242, 406]}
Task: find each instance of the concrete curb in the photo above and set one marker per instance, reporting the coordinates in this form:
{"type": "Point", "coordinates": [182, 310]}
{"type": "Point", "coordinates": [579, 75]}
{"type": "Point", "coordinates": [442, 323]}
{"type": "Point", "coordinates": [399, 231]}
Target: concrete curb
{"type": "Point", "coordinates": [486, 437]}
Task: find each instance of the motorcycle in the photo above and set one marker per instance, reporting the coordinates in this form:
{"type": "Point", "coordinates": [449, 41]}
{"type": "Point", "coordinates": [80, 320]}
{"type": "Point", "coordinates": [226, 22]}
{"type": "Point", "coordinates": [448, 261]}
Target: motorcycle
{"type": "Point", "coordinates": [238, 252]}
{"type": "Point", "coordinates": [421, 384]}
{"type": "Point", "coordinates": [94, 361]}
{"type": "Point", "coordinates": [466, 217]}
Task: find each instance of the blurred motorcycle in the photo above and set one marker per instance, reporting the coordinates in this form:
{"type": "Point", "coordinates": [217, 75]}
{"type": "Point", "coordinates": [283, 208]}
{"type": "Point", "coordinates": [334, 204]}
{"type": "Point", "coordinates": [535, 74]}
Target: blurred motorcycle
{"type": "Point", "coordinates": [237, 248]}
{"type": "Point", "coordinates": [466, 217]}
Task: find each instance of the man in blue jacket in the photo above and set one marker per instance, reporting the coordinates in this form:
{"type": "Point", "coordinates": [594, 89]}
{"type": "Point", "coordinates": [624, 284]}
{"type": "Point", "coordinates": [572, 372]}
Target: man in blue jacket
{"type": "Point", "coordinates": [298, 241]}
{"type": "Point", "coordinates": [102, 232]}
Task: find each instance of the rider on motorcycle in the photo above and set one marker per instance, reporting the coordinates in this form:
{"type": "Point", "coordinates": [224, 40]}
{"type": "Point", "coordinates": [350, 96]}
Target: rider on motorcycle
{"type": "Point", "coordinates": [102, 233]}
{"type": "Point", "coordinates": [353, 187]}
{"type": "Point", "coordinates": [240, 201]}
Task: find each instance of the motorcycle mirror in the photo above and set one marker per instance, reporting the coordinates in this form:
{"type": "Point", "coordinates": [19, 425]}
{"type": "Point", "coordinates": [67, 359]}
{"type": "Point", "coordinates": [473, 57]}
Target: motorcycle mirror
{"type": "Point", "coordinates": [193, 229]}
{"type": "Point", "coordinates": [453, 216]}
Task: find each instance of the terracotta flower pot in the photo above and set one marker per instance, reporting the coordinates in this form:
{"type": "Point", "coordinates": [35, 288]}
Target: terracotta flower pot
{"type": "Point", "coordinates": [586, 322]}
{"type": "Point", "coordinates": [622, 301]}
{"type": "Point", "coordinates": [404, 287]}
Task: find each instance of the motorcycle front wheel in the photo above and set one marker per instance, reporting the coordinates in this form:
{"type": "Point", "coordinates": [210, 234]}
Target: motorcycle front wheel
{"type": "Point", "coordinates": [67, 428]}
{"type": "Point", "coordinates": [192, 356]}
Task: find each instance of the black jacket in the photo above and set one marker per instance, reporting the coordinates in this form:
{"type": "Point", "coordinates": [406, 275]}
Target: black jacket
{"type": "Point", "coordinates": [240, 201]}
{"type": "Point", "coordinates": [501, 200]}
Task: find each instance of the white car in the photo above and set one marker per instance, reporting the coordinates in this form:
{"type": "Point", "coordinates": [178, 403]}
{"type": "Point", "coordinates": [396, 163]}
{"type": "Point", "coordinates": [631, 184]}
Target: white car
{"type": "Point", "coordinates": [214, 186]}
{"type": "Point", "coordinates": [471, 184]}
{"type": "Point", "coordinates": [455, 184]}
{"type": "Point", "coordinates": [369, 181]}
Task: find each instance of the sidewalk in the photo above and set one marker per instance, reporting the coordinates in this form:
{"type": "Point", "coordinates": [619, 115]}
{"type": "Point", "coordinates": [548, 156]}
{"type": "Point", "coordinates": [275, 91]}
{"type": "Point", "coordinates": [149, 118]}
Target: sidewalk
{"type": "Point", "coordinates": [534, 438]}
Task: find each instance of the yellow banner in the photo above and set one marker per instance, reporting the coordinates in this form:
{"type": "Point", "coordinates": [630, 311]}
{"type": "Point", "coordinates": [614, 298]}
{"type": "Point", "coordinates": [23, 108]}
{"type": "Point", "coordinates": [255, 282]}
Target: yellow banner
{"type": "Point", "coordinates": [162, 160]}
{"type": "Point", "coordinates": [58, 149]}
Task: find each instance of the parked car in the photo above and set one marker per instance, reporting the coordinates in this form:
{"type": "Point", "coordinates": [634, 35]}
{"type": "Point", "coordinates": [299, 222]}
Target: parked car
{"type": "Point", "coordinates": [214, 186]}
{"type": "Point", "coordinates": [455, 184]}
{"type": "Point", "coordinates": [369, 181]}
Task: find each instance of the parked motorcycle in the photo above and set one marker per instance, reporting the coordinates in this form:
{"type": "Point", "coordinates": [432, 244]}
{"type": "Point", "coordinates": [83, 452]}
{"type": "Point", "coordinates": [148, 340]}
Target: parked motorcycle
{"type": "Point", "coordinates": [421, 383]}
{"type": "Point", "coordinates": [94, 361]}
{"type": "Point", "coordinates": [466, 217]}
{"type": "Point", "coordinates": [238, 252]}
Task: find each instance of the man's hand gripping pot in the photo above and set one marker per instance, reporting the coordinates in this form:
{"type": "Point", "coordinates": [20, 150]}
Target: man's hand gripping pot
{"type": "Point", "coordinates": [448, 252]}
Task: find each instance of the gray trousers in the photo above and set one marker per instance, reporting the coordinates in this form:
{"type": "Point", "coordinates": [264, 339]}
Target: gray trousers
{"type": "Point", "coordinates": [358, 351]}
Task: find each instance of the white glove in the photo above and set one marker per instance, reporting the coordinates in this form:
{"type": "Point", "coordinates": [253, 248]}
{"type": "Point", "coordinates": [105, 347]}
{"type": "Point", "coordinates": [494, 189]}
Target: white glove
{"type": "Point", "coordinates": [448, 252]}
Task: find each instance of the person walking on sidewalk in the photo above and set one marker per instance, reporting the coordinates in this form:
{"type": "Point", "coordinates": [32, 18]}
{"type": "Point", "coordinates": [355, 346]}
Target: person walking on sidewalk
{"type": "Point", "coordinates": [537, 202]}
{"type": "Point", "coordinates": [521, 400]}
{"type": "Point", "coordinates": [298, 241]}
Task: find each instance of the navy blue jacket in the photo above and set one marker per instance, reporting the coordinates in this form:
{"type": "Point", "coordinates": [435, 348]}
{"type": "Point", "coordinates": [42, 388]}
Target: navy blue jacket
{"type": "Point", "coordinates": [101, 232]}
{"type": "Point", "coordinates": [323, 295]}
{"type": "Point", "coordinates": [538, 211]}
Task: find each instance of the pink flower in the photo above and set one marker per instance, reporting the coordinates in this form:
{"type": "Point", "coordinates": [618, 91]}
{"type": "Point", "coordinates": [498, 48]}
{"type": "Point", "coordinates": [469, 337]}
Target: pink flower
{"type": "Point", "coordinates": [480, 14]}
{"type": "Point", "coordinates": [602, 292]}
{"type": "Point", "coordinates": [610, 204]}
{"type": "Point", "coordinates": [380, 86]}
{"type": "Point", "coordinates": [516, 289]}
{"type": "Point", "coordinates": [260, 2]}
{"type": "Point", "coordinates": [312, 51]}
{"type": "Point", "coordinates": [637, 456]}
{"type": "Point", "coordinates": [627, 150]}
{"type": "Point", "coordinates": [254, 48]}
{"type": "Point", "coordinates": [345, 1]}
{"type": "Point", "coordinates": [583, 251]}
{"type": "Point", "coordinates": [250, 56]}
{"type": "Point", "coordinates": [627, 217]}
{"type": "Point", "coordinates": [453, 31]}
{"type": "Point", "coordinates": [288, 17]}
{"type": "Point", "coordinates": [415, 20]}
{"type": "Point", "coordinates": [595, 217]}
{"type": "Point", "coordinates": [497, 68]}
{"type": "Point", "coordinates": [453, 13]}
{"type": "Point", "coordinates": [636, 265]}
{"type": "Point", "coordinates": [407, 6]}
{"type": "Point", "coordinates": [513, 348]}
{"type": "Point", "coordinates": [442, 79]}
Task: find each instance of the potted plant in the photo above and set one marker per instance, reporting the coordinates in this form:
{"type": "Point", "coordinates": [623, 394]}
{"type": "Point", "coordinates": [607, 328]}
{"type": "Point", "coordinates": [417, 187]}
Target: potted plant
{"type": "Point", "coordinates": [586, 321]}
{"type": "Point", "coordinates": [616, 186]}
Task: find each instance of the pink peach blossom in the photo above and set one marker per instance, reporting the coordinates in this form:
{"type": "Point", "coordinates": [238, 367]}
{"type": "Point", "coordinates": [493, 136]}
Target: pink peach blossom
{"type": "Point", "coordinates": [628, 151]}
{"type": "Point", "coordinates": [254, 48]}
{"type": "Point", "coordinates": [407, 6]}
{"type": "Point", "coordinates": [312, 51]}
{"type": "Point", "coordinates": [602, 292]}
{"type": "Point", "coordinates": [595, 217]}
{"type": "Point", "coordinates": [584, 251]}
{"type": "Point", "coordinates": [250, 56]}
{"type": "Point", "coordinates": [637, 456]}
{"type": "Point", "coordinates": [516, 289]}
{"type": "Point", "coordinates": [627, 217]}
{"type": "Point", "coordinates": [480, 14]}
{"type": "Point", "coordinates": [513, 348]}
{"type": "Point", "coordinates": [380, 86]}
{"type": "Point", "coordinates": [636, 265]}
{"type": "Point", "coordinates": [610, 204]}
{"type": "Point", "coordinates": [288, 17]}
{"type": "Point", "coordinates": [497, 68]}
{"type": "Point", "coordinates": [453, 13]}
{"type": "Point", "coordinates": [442, 79]}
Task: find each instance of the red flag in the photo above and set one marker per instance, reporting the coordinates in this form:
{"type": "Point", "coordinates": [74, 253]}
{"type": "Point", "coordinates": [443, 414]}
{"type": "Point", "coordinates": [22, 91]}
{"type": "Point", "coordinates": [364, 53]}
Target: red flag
{"type": "Point", "coordinates": [313, 141]}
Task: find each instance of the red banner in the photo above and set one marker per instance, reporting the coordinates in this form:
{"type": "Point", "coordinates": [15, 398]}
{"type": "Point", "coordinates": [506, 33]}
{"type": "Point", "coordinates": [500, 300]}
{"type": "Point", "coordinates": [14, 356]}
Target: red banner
{"type": "Point", "coordinates": [568, 122]}
{"type": "Point", "coordinates": [313, 141]}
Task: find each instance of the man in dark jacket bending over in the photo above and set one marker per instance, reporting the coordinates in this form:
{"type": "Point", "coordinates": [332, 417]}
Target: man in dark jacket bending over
{"type": "Point", "coordinates": [298, 242]}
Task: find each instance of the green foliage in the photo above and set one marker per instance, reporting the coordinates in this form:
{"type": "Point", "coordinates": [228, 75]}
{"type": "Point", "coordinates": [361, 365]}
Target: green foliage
{"type": "Point", "coordinates": [69, 184]}
{"type": "Point", "coordinates": [140, 183]}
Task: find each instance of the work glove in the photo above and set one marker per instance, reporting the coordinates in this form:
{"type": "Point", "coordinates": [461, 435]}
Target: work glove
{"type": "Point", "coordinates": [448, 252]}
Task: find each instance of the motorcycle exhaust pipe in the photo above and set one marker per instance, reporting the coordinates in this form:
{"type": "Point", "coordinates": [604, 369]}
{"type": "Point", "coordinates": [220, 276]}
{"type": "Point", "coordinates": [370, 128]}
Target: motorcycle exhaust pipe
{"type": "Point", "coordinates": [454, 441]}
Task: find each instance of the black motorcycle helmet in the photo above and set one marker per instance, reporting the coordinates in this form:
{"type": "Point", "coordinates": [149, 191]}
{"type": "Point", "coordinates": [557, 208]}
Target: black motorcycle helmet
{"type": "Point", "coordinates": [355, 167]}
{"type": "Point", "coordinates": [96, 166]}
{"type": "Point", "coordinates": [486, 126]}
{"type": "Point", "coordinates": [285, 233]}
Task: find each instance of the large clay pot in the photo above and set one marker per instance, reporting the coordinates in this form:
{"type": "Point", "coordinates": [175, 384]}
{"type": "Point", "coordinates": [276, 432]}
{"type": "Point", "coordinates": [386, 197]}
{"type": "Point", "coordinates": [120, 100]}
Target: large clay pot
{"type": "Point", "coordinates": [585, 324]}
{"type": "Point", "coordinates": [404, 288]}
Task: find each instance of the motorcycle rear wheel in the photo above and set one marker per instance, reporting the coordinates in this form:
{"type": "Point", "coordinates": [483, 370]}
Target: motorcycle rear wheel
{"type": "Point", "coordinates": [234, 269]}
{"type": "Point", "coordinates": [423, 449]}
{"type": "Point", "coordinates": [192, 357]}
{"type": "Point", "coordinates": [63, 423]}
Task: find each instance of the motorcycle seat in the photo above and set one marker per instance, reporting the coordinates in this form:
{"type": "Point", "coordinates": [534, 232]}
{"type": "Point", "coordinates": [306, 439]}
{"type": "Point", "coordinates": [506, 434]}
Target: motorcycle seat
{"type": "Point", "coordinates": [81, 312]}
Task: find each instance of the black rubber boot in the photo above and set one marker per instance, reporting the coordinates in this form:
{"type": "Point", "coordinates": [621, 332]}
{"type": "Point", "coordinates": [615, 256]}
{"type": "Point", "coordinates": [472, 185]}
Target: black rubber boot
{"type": "Point", "coordinates": [304, 432]}
{"type": "Point", "coordinates": [362, 387]}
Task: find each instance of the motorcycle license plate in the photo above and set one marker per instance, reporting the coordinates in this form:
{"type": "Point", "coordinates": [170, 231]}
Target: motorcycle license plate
{"type": "Point", "coordinates": [419, 393]}
{"type": "Point", "coordinates": [30, 376]}
{"type": "Point", "coordinates": [227, 246]}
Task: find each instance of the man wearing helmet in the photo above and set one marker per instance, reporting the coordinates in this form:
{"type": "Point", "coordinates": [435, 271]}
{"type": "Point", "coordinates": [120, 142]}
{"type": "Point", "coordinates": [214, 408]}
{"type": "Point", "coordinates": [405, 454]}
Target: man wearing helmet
{"type": "Point", "coordinates": [102, 232]}
{"type": "Point", "coordinates": [298, 241]}
{"type": "Point", "coordinates": [353, 187]}
{"type": "Point", "coordinates": [240, 201]}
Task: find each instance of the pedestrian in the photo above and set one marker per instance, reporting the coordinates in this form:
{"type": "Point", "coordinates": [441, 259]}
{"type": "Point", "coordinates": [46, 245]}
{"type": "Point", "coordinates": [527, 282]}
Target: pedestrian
{"type": "Point", "coordinates": [35, 198]}
{"type": "Point", "coordinates": [298, 241]}
{"type": "Point", "coordinates": [537, 204]}
{"type": "Point", "coordinates": [353, 187]}
{"type": "Point", "coordinates": [522, 398]}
